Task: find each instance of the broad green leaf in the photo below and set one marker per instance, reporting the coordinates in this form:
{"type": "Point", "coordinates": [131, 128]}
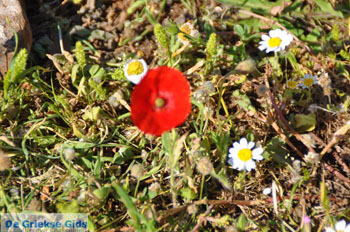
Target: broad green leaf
{"type": "Point", "coordinates": [243, 101]}
{"type": "Point", "coordinates": [242, 222]}
{"type": "Point", "coordinates": [304, 122]}
{"type": "Point", "coordinates": [276, 148]}
{"type": "Point", "coordinates": [69, 207]}
{"type": "Point", "coordinates": [188, 193]}
{"type": "Point", "coordinates": [102, 193]}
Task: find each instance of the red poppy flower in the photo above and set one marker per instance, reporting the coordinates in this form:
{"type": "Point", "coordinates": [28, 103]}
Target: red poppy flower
{"type": "Point", "coordinates": [161, 101]}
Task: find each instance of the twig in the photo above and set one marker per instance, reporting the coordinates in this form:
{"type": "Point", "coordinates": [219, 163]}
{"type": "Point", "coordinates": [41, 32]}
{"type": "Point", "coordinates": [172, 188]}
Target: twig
{"type": "Point", "coordinates": [202, 219]}
{"type": "Point", "coordinates": [341, 162]}
{"type": "Point", "coordinates": [283, 136]}
{"type": "Point", "coordinates": [336, 173]}
{"type": "Point", "coordinates": [336, 138]}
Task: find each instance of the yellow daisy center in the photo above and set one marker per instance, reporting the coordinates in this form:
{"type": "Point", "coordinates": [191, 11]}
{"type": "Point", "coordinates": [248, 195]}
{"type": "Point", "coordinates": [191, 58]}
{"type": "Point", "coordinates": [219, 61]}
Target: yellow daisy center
{"type": "Point", "coordinates": [245, 154]}
{"type": "Point", "coordinates": [135, 68]}
{"type": "Point", "coordinates": [308, 82]}
{"type": "Point", "coordinates": [184, 28]}
{"type": "Point", "coordinates": [291, 84]}
{"type": "Point", "coordinates": [274, 42]}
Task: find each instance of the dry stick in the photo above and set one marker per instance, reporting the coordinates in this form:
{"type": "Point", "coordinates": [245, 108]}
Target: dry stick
{"type": "Point", "coordinates": [174, 211]}
{"type": "Point", "coordinates": [336, 138]}
{"type": "Point", "coordinates": [341, 162]}
{"type": "Point", "coordinates": [202, 219]}
{"type": "Point", "coordinates": [320, 141]}
{"type": "Point", "coordinates": [336, 173]}
{"type": "Point", "coordinates": [283, 136]}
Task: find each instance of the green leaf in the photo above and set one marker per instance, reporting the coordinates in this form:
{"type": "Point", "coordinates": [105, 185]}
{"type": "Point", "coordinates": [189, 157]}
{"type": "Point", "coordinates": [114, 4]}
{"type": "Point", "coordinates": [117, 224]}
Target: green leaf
{"type": "Point", "coordinates": [135, 5]}
{"type": "Point", "coordinates": [222, 178]}
{"type": "Point", "coordinates": [74, 74]}
{"type": "Point", "coordinates": [324, 196]}
{"type": "Point", "coordinates": [276, 148]}
{"type": "Point", "coordinates": [70, 207]}
{"type": "Point", "coordinates": [243, 101]}
{"type": "Point", "coordinates": [293, 61]}
{"type": "Point", "coordinates": [150, 17]}
{"type": "Point", "coordinates": [138, 218]}
{"type": "Point", "coordinates": [326, 7]}
{"type": "Point", "coordinates": [188, 193]}
{"type": "Point", "coordinates": [241, 223]}
{"type": "Point", "coordinates": [124, 197]}
{"type": "Point", "coordinates": [304, 122]}
{"type": "Point", "coordinates": [239, 30]}
{"type": "Point", "coordinates": [91, 225]}
{"type": "Point", "coordinates": [102, 193]}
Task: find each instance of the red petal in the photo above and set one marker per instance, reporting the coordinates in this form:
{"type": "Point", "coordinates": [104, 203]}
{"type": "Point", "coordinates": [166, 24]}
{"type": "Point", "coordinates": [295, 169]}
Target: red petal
{"type": "Point", "coordinates": [169, 84]}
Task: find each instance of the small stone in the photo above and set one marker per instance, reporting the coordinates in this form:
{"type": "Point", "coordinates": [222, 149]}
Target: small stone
{"type": "Point", "coordinates": [5, 161]}
{"type": "Point", "coordinates": [34, 205]}
{"type": "Point", "coordinates": [12, 10]}
{"type": "Point", "coordinates": [137, 171]}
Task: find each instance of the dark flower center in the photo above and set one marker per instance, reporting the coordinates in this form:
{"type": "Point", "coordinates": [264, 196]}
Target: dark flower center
{"type": "Point", "coordinates": [159, 102]}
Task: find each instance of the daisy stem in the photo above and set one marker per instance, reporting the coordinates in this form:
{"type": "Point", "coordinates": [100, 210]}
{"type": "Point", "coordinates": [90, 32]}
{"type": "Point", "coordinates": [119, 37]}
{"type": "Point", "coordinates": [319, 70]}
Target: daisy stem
{"type": "Point", "coordinates": [276, 63]}
{"type": "Point", "coordinates": [202, 187]}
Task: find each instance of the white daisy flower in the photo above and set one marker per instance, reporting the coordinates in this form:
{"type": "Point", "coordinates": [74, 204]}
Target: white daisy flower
{"type": "Point", "coordinates": [340, 226]}
{"type": "Point", "coordinates": [308, 81]}
{"type": "Point", "coordinates": [189, 30]}
{"type": "Point", "coordinates": [135, 70]}
{"type": "Point", "coordinates": [241, 156]}
{"type": "Point", "coordinates": [276, 41]}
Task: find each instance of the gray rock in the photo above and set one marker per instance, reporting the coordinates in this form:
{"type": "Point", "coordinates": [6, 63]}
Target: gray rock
{"type": "Point", "coordinates": [13, 10]}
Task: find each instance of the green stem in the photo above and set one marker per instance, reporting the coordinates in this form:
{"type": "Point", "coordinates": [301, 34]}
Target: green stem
{"type": "Point", "coordinates": [137, 187]}
{"type": "Point", "coordinates": [202, 187]}
{"type": "Point", "coordinates": [172, 184]}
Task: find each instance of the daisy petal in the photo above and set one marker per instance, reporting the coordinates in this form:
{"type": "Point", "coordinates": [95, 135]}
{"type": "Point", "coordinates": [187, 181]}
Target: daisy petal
{"type": "Point", "coordinates": [249, 165]}
{"type": "Point", "coordinates": [265, 37]}
{"type": "Point", "coordinates": [329, 229]}
{"type": "Point", "coordinates": [236, 145]}
{"type": "Point", "coordinates": [257, 153]}
{"type": "Point", "coordinates": [347, 228]}
{"type": "Point", "coordinates": [233, 152]}
{"type": "Point", "coordinates": [238, 164]}
{"type": "Point", "coordinates": [274, 33]}
{"type": "Point", "coordinates": [251, 145]}
{"type": "Point", "coordinates": [340, 225]}
{"type": "Point", "coordinates": [243, 142]}
{"type": "Point", "coordinates": [262, 47]}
